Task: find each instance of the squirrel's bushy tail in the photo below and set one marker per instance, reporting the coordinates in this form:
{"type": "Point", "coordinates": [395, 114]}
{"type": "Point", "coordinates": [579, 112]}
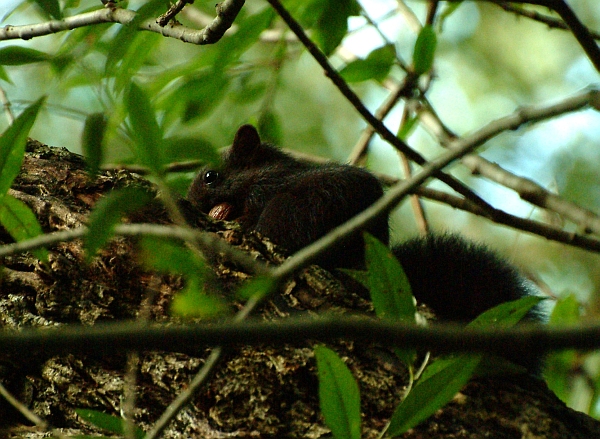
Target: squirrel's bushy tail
{"type": "Point", "coordinates": [459, 280]}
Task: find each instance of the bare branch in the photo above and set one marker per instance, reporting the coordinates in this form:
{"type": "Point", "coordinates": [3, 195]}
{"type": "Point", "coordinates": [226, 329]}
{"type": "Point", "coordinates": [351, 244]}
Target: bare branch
{"type": "Point", "coordinates": [401, 90]}
{"type": "Point", "coordinates": [226, 13]}
{"type": "Point", "coordinates": [6, 104]}
{"type": "Point", "coordinates": [172, 12]}
{"type": "Point", "coordinates": [551, 22]}
{"type": "Point", "coordinates": [500, 217]}
{"type": "Point", "coordinates": [582, 33]}
{"type": "Point", "coordinates": [124, 336]}
{"type": "Point", "coordinates": [532, 192]}
{"type": "Point", "coordinates": [527, 189]}
{"type": "Point", "coordinates": [23, 409]}
{"type": "Point", "coordinates": [205, 240]}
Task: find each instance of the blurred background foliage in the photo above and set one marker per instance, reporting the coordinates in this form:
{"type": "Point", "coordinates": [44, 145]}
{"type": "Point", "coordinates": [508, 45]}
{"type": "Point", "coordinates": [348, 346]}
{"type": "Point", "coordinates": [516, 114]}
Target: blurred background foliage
{"type": "Point", "coordinates": [488, 63]}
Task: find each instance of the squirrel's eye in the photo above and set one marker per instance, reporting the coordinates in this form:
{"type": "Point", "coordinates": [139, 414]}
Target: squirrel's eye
{"type": "Point", "coordinates": [210, 177]}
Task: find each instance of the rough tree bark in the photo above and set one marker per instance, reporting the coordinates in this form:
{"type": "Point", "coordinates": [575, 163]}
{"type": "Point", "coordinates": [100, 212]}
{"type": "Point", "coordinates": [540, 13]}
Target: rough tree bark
{"type": "Point", "coordinates": [255, 392]}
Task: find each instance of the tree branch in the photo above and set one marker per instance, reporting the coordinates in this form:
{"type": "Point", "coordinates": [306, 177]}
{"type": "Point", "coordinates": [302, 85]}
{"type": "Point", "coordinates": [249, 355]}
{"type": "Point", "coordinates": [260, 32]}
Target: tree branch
{"type": "Point", "coordinates": [175, 9]}
{"type": "Point", "coordinates": [551, 22]}
{"type": "Point", "coordinates": [527, 189]}
{"type": "Point", "coordinates": [226, 13]}
{"type": "Point", "coordinates": [203, 239]}
{"type": "Point", "coordinates": [581, 33]}
{"type": "Point", "coordinates": [105, 339]}
{"type": "Point", "coordinates": [500, 217]}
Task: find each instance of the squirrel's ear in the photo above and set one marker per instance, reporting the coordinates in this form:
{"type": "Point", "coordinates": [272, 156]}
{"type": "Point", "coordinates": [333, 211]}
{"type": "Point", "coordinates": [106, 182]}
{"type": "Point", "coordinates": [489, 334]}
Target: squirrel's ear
{"type": "Point", "coordinates": [246, 140]}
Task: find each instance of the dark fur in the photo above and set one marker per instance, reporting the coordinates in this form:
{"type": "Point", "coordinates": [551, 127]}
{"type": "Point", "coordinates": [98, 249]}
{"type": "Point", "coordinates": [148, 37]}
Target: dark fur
{"type": "Point", "coordinates": [294, 203]}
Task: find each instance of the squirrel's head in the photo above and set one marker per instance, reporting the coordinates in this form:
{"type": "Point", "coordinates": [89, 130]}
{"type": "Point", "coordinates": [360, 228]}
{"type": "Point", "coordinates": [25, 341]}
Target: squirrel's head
{"type": "Point", "coordinates": [221, 192]}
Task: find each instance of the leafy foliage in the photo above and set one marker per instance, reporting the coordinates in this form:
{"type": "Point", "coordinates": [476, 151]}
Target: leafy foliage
{"type": "Point", "coordinates": [338, 395]}
{"type": "Point", "coordinates": [431, 393]}
{"type": "Point", "coordinates": [376, 65]}
{"type": "Point", "coordinates": [106, 422]}
{"type": "Point", "coordinates": [171, 257]}
{"type": "Point", "coordinates": [441, 380]}
{"type": "Point", "coordinates": [15, 216]}
{"type": "Point", "coordinates": [108, 212]}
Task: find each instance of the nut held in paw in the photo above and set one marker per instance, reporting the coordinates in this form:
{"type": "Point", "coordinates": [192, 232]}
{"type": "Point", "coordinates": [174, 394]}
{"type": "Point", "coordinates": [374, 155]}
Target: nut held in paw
{"type": "Point", "coordinates": [221, 211]}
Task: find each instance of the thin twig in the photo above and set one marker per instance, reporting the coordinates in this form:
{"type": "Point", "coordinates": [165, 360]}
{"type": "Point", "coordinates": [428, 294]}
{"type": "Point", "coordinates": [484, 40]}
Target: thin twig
{"type": "Point", "coordinates": [172, 12]}
{"type": "Point", "coordinates": [205, 240]}
{"type": "Point", "coordinates": [185, 166]}
{"type": "Point", "coordinates": [28, 414]}
{"type": "Point", "coordinates": [526, 225]}
{"type": "Point", "coordinates": [6, 104]}
{"type": "Point", "coordinates": [415, 200]}
{"type": "Point", "coordinates": [401, 90]}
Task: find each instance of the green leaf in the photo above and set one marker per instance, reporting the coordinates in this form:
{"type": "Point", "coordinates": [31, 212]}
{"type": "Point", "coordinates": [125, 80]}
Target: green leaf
{"type": "Point", "coordinates": [51, 8]}
{"type": "Point", "coordinates": [108, 212]}
{"type": "Point", "coordinates": [424, 51]}
{"type": "Point", "coordinates": [566, 311]}
{"type": "Point", "coordinates": [60, 63]}
{"type": "Point", "coordinates": [269, 127]}
{"type": "Point", "coordinates": [4, 76]}
{"type": "Point", "coordinates": [144, 129]}
{"type": "Point", "coordinates": [432, 393]}
{"type": "Point", "coordinates": [328, 20]}
{"type": "Point", "coordinates": [559, 365]}
{"type": "Point", "coordinates": [339, 395]}
{"type": "Point", "coordinates": [192, 302]}
{"type": "Point", "coordinates": [387, 283]}
{"type": "Point", "coordinates": [16, 56]}
{"type": "Point", "coordinates": [12, 145]}
{"type": "Point", "coordinates": [167, 256]}
{"type": "Point", "coordinates": [201, 93]}
{"type": "Point", "coordinates": [507, 314]}
{"type": "Point", "coordinates": [388, 286]}
{"type": "Point", "coordinates": [91, 140]}
{"type": "Point", "coordinates": [258, 287]}
{"type": "Point", "coordinates": [111, 423]}
{"type": "Point", "coordinates": [128, 33]}
{"type": "Point", "coordinates": [375, 66]}
{"type": "Point", "coordinates": [189, 148]}
{"type": "Point", "coordinates": [20, 222]}
{"type": "Point", "coordinates": [142, 47]}
{"type": "Point", "coordinates": [249, 30]}
{"type": "Point", "coordinates": [407, 127]}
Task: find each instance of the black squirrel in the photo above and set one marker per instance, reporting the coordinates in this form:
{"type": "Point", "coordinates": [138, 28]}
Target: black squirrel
{"type": "Point", "coordinates": [293, 203]}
